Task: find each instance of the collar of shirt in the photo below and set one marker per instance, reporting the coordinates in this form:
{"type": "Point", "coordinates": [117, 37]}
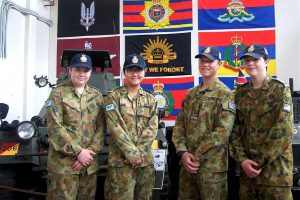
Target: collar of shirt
{"type": "Point", "coordinates": [265, 86]}
{"type": "Point", "coordinates": [71, 88]}
{"type": "Point", "coordinates": [141, 92]}
{"type": "Point", "coordinates": [211, 86]}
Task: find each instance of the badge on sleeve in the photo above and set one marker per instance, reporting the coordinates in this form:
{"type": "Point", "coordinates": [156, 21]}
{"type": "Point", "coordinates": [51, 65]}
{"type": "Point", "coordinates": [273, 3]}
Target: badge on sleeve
{"type": "Point", "coordinates": [109, 107]}
{"type": "Point", "coordinates": [48, 103]}
{"type": "Point", "coordinates": [231, 106]}
{"type": "Point", "coordinates": [287, 107]}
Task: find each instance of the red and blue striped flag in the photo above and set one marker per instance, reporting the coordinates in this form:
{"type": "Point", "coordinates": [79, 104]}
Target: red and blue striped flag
{"type": "Point", "coordinates": [169, 92]}
{"type": "Point", "coordinates": [141, 16]}
{"type": "Point", "coordinates": [235, 14]}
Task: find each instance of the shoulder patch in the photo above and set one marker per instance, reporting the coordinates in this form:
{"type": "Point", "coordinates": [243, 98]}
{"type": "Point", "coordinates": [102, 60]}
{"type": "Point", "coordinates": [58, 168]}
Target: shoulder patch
{"type": "Point", "coordinates": [109, 107]}
{"type": "Point", "coordinates": [231, 106]}
{"type": "Point", "coordinates": [287, 107]}
{"type": "Point", "coordinates": [48, 103]}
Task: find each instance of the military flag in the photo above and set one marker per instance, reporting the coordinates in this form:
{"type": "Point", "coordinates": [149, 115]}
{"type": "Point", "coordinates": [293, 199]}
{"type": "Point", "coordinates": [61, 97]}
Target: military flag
{"type": "Point", "coordinates": [157, 16]}
{"type": "Point", "coordinates": [232, 43]}
{"type": "Point", "coordinates": [88, 17]}
{"type": "Point", "coordinates": [165, 55]}
{"type": "Point", "coordinates": [169, 92]}
{"type": "Point", "coordinates": [241, 79]}
{"type": "Point", "coordinates": [235, 14]}
{"type": "Point", "coordinates": [105, 43]}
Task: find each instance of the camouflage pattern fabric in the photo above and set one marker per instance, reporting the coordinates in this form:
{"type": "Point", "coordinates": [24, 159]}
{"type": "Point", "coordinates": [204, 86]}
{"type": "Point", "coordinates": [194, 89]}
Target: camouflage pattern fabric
{"type": "Point", "coordinates": [203, 185]}
{"type": "Point", "coordinates": [263, 131]}
{"type": "Point", "coordinates": [204, 125]}
{"type": "Point", "coordinates": [133, 124]}
{"type": "Point", "coordinates": [203, 128]}
{"type": "Point", "coordinates": [74, 122]}
{"type": "Point", "coordinates": [251, 191]}
{"type": "Point", "coordinates": [125, 183]}
{"type": "Point", "coordinates": [71, 187]}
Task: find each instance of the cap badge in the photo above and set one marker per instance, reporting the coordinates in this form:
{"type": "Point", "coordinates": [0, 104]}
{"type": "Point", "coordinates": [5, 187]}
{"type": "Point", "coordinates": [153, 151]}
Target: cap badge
{"type": "Point", "coordinates": [135, 60]}
{"type": "Point", "coordinates": [83, 58]}
{"type": "Point", "coordinates": [207, 50]}
{"type": "Point", "coordinates": [251, 48]}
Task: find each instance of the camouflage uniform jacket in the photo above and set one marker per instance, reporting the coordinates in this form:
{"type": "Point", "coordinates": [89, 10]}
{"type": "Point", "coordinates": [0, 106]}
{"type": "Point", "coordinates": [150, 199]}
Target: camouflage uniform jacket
{"type": "Point", "coordinates": [204, 125]}
{"type": "Point", "coordinates": [74, 123]}
{"type": "Point", "coordinates": [262, 131]}
{"type": "Point", "coordinates": [132, 123]}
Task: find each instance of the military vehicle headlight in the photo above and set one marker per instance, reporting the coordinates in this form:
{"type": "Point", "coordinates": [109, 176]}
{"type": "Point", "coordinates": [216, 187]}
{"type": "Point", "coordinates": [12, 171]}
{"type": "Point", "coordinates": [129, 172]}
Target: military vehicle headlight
{"type": "Point", "coordinates": [26, 130]}
{"type": "Point", "coordinates": [41, 81]}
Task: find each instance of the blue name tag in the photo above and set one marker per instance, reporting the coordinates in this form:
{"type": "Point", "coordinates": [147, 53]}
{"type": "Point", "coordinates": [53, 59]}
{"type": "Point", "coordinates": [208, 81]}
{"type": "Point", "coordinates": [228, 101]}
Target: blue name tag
{"type": "Point", "coordinates": [109, 107]}
{"type": "Point", "coordinates": [231, 106]}
{"type": "Point", "coordinates": [48, 103]}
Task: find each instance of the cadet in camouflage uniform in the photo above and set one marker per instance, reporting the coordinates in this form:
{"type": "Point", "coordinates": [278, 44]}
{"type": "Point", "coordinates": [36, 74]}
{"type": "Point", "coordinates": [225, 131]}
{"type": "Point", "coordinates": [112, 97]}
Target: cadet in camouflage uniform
{"type": "Point", "coordinates": [201, 133]}
{"type": "Point", "coordinates": [76, 125]}
{"type": "Point", "coordinates": [131, 115]}
{"type": "Point", "coordinates": [261, 141]}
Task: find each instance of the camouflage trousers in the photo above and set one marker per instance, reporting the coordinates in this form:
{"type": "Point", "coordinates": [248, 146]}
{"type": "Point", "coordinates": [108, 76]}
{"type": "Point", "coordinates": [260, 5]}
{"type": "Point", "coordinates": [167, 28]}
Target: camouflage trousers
{"type": "Point", "coordinates": [71, 186]}
{"type": "Point", "coordinates": [202, 186]}
{"type": "Point", "coordinates": [125, 183]}
{"type": "Point", "coordinates": [251, 191]}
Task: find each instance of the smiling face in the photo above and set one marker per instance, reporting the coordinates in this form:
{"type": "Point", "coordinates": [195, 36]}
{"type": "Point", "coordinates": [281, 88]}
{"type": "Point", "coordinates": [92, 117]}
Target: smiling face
{"type": "Point", "coordinates": [256, 68]}
{"type": "Point", "coordinates": [208, 68]}
{"type": "Point", "coordinates": [134, 76]}
{"type": "Point", "coordinates": [79, 76]}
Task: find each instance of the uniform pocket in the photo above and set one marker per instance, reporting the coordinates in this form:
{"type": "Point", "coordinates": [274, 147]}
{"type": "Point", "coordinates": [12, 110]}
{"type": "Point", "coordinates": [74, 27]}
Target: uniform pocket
{"type": "Point", "coordinates": [127, 113]}
{"type": "Point", "coordinates": [143, 111]}
{"type": "Point", "coordinates": [71, 111]}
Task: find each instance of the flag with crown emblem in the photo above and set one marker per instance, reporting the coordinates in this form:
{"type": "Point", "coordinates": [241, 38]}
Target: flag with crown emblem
{"type": "Point", "coordinates": [232, 44]}
{"type": "Point", "coordinates": [169, 92]}
{"type": "Point", "coordinates": [235, 14]}
{"type": "Point", "coordinates": [157, 16]}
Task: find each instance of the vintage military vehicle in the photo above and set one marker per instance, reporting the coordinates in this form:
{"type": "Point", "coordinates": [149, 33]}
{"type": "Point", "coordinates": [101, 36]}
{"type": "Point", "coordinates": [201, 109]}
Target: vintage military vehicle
{"type": "Point", "coordinates": [24, 145]}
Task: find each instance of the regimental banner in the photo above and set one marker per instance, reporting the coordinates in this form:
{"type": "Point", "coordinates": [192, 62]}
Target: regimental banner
{"type": "Point", "coordinates": [165, 55]}
{"type": "Point", "coordinates": [169, 92]}
{"type": "Point", "coordinates": [235, 14]}
{"type": "Point", "coordinates": [106, 43]}
{"type": "Point", "coordinates": [157, 16]}
{"type": "Point", "coordinates": [231, 45]}
{"type": "Point", "coordinates": [88, 17]}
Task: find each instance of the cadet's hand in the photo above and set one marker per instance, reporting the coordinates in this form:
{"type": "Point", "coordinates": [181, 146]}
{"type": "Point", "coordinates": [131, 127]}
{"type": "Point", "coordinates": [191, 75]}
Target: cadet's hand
{"type": "Point", "coordinates": [85, 157]}
{"type": "Point", "coordinates": [77, 166]}
{"type": "Point", "coordinates": [190, 162]}
{"type": "Point", "coordinates": [248, 167]}
{"type": "Point", "coordinates": [138, 161]}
